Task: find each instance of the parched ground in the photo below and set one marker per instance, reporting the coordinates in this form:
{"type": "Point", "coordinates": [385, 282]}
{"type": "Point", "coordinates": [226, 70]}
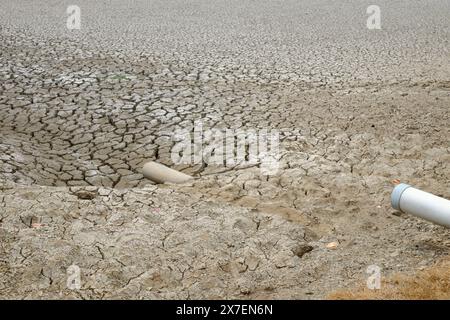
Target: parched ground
{"type": "Point", "coordinates": [82, 110]}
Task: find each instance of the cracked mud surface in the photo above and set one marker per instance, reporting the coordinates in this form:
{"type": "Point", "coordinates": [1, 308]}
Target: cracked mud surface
{"type": "Point", "coordinates": [85, 109]}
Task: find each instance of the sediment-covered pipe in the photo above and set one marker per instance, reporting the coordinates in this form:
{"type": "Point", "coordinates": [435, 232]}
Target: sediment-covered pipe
{"type": "Point", "coordinates": [161, 174]}
{"type": "Point", "coordinates": [421, 204]}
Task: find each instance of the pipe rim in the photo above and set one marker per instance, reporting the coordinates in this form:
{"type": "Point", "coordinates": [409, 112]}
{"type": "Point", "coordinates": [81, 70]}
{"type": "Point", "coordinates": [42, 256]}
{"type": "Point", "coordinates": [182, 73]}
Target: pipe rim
{"type": "Point", "coordinates": [397, 195]}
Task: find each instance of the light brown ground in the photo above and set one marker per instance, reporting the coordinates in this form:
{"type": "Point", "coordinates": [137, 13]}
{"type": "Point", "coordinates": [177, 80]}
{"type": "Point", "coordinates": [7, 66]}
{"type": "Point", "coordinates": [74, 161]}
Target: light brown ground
{"type": "Point", "coordinates": [82, 111]}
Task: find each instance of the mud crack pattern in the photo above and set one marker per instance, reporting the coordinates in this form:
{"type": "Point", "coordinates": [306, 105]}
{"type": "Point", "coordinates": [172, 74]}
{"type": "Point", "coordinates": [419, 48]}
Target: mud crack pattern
{"type": "Point", "coordinates": [81, 111]}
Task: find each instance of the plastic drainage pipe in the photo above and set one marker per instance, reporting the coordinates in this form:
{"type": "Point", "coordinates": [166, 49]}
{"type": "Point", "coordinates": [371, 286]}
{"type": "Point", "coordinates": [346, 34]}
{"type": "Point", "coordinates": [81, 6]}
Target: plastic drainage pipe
{"type": "Point", "coordinates": [421, 204]}
{"type": "Point", "coordinates": [161, 174]}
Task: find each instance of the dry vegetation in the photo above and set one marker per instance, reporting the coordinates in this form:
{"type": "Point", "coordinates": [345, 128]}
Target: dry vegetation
{"type": "Point", "coordinates": [430, 283]}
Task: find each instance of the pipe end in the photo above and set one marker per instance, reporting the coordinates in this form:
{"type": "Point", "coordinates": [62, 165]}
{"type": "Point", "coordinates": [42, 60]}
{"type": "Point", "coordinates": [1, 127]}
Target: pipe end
{"type": "Point", "coordinates": [397, 195]}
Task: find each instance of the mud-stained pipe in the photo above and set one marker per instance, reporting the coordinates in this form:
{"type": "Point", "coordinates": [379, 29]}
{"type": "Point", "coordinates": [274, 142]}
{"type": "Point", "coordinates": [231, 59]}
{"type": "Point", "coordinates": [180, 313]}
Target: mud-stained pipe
{"type": "Point", "coordinates": [161, 174]}
{"type": "Point", "coordinates": [421, 204]}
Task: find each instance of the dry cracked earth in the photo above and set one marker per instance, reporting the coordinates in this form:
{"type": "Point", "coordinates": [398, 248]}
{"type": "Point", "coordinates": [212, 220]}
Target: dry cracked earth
{"type": "Point", "coordinates": [82, 110]}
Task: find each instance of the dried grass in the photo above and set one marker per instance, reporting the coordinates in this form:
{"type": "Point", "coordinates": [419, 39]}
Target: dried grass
{"type": "Point", "coordinates": [429, 284]}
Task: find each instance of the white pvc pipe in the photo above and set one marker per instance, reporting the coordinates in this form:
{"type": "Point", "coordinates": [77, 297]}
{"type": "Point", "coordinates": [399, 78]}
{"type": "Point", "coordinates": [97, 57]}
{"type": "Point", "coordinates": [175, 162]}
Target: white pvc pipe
{"type": "Point", "coordinates": [161, 174]}
{"type": "Point", "coordinates": [421, 204]}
